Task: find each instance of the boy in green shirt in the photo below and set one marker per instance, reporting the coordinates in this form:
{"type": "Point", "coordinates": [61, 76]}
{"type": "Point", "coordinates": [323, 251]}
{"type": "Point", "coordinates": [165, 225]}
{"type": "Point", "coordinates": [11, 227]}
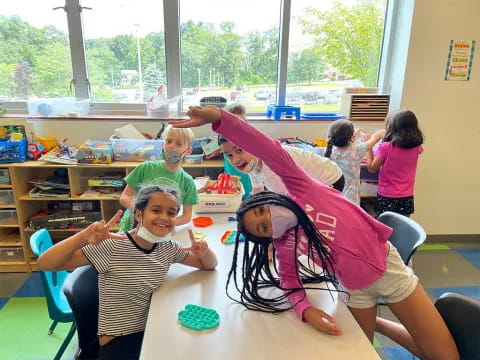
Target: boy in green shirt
{"type": "Point", "coordinates": [177, 143]}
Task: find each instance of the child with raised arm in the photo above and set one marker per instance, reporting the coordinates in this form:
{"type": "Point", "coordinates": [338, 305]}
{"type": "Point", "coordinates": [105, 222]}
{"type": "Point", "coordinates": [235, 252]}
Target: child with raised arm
{"type": "Point", "coordinates": [347, 150]}
{"type": "Point", "coordinates": [130, 266]}
{"type": "Point", "coordinates": [177, 143]}
{"type": "Point", "coordinates": [397, 159]}
{"type": "Point", "coordinates": [333, 232]}
{"type": "Point", "coordinates": [261, 176]}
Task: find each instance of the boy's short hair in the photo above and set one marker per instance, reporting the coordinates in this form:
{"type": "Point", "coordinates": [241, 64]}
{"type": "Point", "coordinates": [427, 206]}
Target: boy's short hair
{"type": "Point", "coordinates": [186, 134]}
{"type": "Point", "coordinates": [237, 109]}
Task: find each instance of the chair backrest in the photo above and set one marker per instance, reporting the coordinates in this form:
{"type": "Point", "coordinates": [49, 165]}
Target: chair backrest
{"type": "Point", "coordinates": [81, 290]}
{"type": "Point", "coordinates": [407, 234]}
{"type": "Point", "coordinates": [52, 281]}
{"type": "Point", "coordinates": [462, 316]}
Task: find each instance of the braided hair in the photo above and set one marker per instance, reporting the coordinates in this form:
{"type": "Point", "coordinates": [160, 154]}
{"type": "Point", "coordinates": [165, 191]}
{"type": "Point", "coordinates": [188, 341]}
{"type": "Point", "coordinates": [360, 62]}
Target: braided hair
{"type": "Point", "coordinates": [339, 134]}
{"type": "Point", "coordinates": [257, 275]}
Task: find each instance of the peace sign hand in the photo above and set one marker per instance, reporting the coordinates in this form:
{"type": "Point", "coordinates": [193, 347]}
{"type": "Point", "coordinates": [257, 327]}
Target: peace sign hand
{"type": "Point", "coordinates": [98, 231]}
{"type": "Point", "coordinates": [198, 117]}
{"type": "Point", "coordinates": [199, 246]}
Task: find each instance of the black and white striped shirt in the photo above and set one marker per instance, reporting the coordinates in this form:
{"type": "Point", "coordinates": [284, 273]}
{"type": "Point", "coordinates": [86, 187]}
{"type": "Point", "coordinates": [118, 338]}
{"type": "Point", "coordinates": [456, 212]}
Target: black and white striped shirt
{"type": "Point", "coordinates": [128, 275]}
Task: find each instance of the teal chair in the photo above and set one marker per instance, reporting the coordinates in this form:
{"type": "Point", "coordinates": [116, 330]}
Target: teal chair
{"type": "Point", "coordinates": [58, 308]}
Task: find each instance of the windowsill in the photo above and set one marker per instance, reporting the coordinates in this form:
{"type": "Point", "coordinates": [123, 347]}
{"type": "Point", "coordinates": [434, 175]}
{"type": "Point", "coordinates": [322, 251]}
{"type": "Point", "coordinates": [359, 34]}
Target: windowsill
{"type": "Point", "coordinates": [143, 117]}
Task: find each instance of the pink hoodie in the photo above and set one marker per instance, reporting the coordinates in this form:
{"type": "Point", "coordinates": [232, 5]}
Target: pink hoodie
{"type": "Point", "coordinates": [356, 240]}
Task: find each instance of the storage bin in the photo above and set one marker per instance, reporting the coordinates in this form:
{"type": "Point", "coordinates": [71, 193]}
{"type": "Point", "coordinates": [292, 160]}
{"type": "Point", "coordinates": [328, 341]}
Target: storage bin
{"type": "Point", "coordinates": [13, 151]}
{"type": "Point", "coordinates": [6, 197]}
{"type": "Point", "coordinates": [67, 106]}
{"type": "Point", "coordinates": [322, 116]}
{"type": "Point", "coordinates": [11, 254]}
{"type": "Point", "coordinates": [218, 203]}
{"type": "Point", "coordinates": [8, 217]}
{"type": "Point", "coordinates": [136, 150]}
{"type": "Point", "coordinates": [193, 159]}
{"type": "Point", "coordinates": [4, 176]}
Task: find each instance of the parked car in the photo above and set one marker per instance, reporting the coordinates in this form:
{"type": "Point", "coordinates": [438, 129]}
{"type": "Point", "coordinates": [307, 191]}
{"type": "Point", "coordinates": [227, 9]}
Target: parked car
{"type": "Point", "coordinates": [262, 93]}
{"type": "Point", "coordinates": [234, 95]}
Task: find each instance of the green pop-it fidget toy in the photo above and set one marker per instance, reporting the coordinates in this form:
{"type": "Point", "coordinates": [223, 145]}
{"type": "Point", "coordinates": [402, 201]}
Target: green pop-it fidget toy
{"type": "Point", "coordinates": [198, 318]}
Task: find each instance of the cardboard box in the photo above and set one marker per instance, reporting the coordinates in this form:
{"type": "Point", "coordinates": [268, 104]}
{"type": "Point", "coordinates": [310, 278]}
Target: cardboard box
{"type": "Point", "coordinates": [95, 152]}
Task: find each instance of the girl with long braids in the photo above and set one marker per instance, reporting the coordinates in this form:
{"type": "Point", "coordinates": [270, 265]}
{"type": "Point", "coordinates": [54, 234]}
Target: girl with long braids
{"type": "Point", "coordinates": [334, 233]}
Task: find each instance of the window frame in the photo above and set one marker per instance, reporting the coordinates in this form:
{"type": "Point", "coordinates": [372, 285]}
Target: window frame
{"type": "Point", "coordinates": [171, 14]}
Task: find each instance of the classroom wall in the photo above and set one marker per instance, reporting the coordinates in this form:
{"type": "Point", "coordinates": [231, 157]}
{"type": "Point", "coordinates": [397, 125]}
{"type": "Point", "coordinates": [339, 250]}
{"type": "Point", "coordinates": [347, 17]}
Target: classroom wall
{"type": "Point", "coordinates": [448, 182]}
{"type": "Point", "coordinates": [447, 193]}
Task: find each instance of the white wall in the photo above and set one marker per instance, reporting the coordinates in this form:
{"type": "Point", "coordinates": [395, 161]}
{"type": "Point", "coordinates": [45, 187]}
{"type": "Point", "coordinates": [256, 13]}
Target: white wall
{"type": "Point", "coordinates": [447, 190]}
{"type": "Point", "coordinates": [448, 181]}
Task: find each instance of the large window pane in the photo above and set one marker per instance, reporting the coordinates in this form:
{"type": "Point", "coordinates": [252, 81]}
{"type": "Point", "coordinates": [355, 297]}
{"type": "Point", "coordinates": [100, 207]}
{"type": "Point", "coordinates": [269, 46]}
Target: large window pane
{"type": "Point", "coordinates": [230, 49]}
{"type": "Point", "coordinates": [34, 50]}
{"type": "Point", "coordinates": [333, 45]}
{"type": "Point", "coordinates": [125, 47]}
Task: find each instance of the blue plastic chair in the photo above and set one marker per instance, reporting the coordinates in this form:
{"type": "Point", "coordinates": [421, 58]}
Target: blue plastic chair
{"type": "Point", "coordinates": [407, 234]}
{"type": "Point", "coordinates": [58, 308]}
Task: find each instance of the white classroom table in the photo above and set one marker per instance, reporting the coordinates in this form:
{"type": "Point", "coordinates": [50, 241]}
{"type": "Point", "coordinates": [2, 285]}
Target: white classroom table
{"type": "Point", "coordinates": [241, 334]}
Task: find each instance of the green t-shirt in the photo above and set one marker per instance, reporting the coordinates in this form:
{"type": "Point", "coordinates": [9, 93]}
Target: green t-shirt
{"type": "Point", "coordinates": [154, 172]}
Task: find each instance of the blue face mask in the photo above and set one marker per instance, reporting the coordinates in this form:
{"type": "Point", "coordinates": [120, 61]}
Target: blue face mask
{"type": "Point", "coordinates": [151, 238]}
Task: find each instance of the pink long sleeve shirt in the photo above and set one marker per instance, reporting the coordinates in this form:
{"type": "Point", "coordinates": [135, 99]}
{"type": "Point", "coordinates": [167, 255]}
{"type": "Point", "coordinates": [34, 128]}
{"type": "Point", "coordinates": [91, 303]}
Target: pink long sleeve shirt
{"type": "Point", "coordinates": [356, 241]}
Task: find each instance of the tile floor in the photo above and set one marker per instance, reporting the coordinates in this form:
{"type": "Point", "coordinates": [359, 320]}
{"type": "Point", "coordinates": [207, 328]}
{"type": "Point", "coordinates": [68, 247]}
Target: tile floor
{"type": "Point", "coordinates": [440, 268]}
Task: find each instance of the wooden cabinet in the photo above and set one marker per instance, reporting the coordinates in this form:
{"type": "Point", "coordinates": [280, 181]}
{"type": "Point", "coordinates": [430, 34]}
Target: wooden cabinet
{"type": "Point", "coordinates": [15, 253]}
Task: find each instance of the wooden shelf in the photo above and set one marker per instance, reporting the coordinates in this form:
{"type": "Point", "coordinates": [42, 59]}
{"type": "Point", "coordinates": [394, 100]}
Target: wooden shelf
{"type": "Point", "coordinates": [10, 244]}
{"type": "Point", "coordinates": [29, 229]}
{"type": "Point", "coordinates": [70, 198]}
{"type": "Point", "coordinates": [5, 186]}
{"type": "Point", "coordinates": [9, 206]}
{"type": "Point", "coordinates": [14, 266]}
{"type": "Point", "coordinates": [9, 226]}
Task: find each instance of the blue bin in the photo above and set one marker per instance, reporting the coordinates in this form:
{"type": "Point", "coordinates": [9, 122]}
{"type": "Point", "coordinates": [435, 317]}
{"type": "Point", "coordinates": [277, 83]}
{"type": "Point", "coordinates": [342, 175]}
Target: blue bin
{"type": "Point", "coordinates": [13, 151]}
{"type": "Point", "coordinates": [322, 116]}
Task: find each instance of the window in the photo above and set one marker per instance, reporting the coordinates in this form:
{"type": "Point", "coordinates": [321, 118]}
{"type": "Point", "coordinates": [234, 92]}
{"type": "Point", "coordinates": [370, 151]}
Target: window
{"type": "Point", "coordinates": [228, 50]}
{"type": "Point", "coordinates": [125, 52]}
{"type": "Point", "coordinates": [306, 51]}
{"type": "Point", "coordinates": [34, 51]}
{"type": "Point", "coordinates": [333, 45]}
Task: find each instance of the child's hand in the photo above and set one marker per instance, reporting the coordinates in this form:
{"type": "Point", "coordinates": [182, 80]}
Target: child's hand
{"type": "Point", "coordinates": [199, 247]}
{"type": "Point", "coordinates": [321, 321]}
{"type": "Point", "coordinates": [98, 231]}
{"type": "Point", "coordinates": [198, 117]}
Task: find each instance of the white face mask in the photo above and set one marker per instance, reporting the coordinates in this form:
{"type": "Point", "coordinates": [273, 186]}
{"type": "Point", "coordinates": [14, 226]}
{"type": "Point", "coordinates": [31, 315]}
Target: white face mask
{"type": "Point", "coordinates": [282, 220]}
{"type": "Point", "coordinates": [151, 238]}
{"type": "Point", "coordinates": [250, 166]}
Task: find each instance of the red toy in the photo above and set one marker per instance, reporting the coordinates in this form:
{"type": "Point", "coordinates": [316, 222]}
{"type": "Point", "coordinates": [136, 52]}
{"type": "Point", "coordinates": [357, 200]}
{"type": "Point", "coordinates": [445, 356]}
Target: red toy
{"type": "Point", "coordinates": [202, 221]}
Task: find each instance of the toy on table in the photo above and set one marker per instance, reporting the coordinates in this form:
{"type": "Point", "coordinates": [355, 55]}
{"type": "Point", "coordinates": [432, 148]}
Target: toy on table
{"type": "Point", "coordinates": [199, 235]}
{"type": "Point", "coordinates": [225, 184]}
{"type": "Point", "coordinates": [229, 237]}
{"type": "Point", "coordinates": [198, 317]}
{"type": "Point", "coordinates": [202, 221]}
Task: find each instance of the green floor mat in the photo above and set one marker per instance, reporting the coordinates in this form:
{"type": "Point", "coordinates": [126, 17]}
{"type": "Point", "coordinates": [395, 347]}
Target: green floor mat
{"type": "Point", "coordinates": [24, 324]}
{"type": "Point", "coordinates": [434, 247]}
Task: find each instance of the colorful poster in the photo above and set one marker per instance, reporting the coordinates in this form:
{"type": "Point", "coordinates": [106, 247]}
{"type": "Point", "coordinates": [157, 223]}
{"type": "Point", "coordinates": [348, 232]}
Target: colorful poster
{"type": "Point", "coordinates": [460, 58]}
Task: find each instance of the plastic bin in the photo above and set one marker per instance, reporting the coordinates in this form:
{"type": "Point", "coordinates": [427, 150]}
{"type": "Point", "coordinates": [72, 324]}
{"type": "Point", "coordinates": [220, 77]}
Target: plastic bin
{"type": "Point", "coordinates": [322, 116]}
{"type": "Point", "coordinates": [67, 106]}
{"type": "Point", "coordinates": [193, 159]}
{"type": "Point", "coordinates": [4, 176]}
{"type": "Point", "coordinates": [8, 217]}
{"type": "Point", "coordinates": [13, 151]}
{"type": "Point", "coordinates": [6, 197]}
{"type": "Point", "coordinates": [218, 203]}
{"type": "Point", "coordinates": [136, 150]}
{"type": "Point", "coordinates": [11, 254]}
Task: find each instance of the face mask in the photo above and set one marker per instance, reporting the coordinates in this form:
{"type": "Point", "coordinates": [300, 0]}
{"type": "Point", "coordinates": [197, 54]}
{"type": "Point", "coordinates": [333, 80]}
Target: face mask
{"type": "Point", "coordinates": [282, 219]}
{"type": "Point", "coordinates": [172, 157]}
{"type": "Point", "coordinates": [250, 166]}
{"type": "Point", "coordinates": [148, 236]}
